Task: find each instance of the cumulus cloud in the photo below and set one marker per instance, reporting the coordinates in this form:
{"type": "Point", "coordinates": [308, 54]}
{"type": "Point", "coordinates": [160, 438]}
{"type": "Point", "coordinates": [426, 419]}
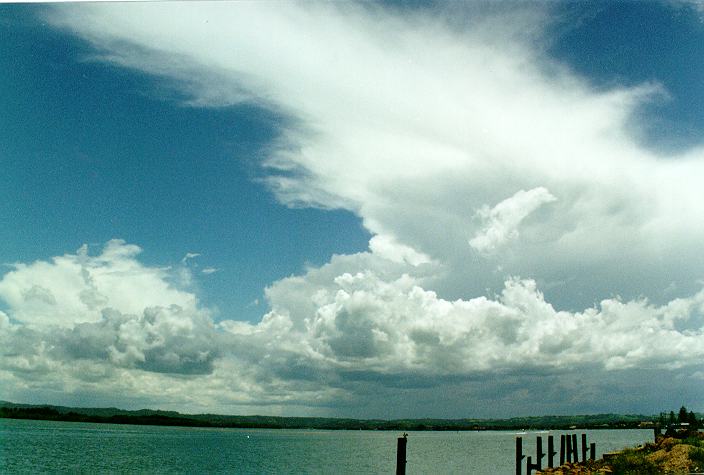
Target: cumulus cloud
{"type": "Point", "coordinates": [75, 288]}
{"type": "Point", "coordinates": [326, 332]}
{"type": "Point", "coordinates": [412, 121]}
{"type": "Point", "coordinates": [108, 308]}
{"type": "Point", "coordinates": [109, 325]}
{"type": "Point", "coordinates": [362, 322]}
{"type": "Point", "coordinates": [503, 219]}
{"type": "Point", "coordinates": [389, 248]}
{"type": "Point", "coordinates": [164, 340]}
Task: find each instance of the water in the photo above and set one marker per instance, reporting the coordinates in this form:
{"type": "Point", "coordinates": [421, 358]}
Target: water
{"type": "Point", "coordinates": [45, 446]}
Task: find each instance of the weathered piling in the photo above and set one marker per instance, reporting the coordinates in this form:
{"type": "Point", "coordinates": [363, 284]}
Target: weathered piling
{"type": "Point", "coordinates": [569, 452]}
{"type": "Point", "coordinates": [519, 455]}
{"type": "Point", "coordinates": [551, 451]}
{"type": "Point", "coordinates": [401, 455]}
{"type": "Point", "coordinates": [562, 449]}
{"type": "Point", "coordinates": [539, 454]}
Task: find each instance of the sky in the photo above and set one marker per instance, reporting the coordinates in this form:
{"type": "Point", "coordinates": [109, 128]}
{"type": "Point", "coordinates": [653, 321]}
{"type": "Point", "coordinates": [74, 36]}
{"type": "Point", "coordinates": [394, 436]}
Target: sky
{"type": "Point", "coordinates": [373, 210]}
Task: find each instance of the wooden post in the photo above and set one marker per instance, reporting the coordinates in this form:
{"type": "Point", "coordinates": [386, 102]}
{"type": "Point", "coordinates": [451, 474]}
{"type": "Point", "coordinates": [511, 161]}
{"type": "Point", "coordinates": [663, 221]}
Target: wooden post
{"type": "Point", "coordinates": [519, 455]}
{"type": "Point", "coordinates": [584, 448]}
{"type": "Point", "coordinates": [539, 454]}
{"type": "Point", "coordinates": [401, 455]}
{"type": "Point", "coordinates": [592, 451]}
{"type": "Point", "coordinates": [568, 437]}
{"type": "Point", "coordinates": [575, 449]}
{"type": "Point", "coordinates": [551, 451]}
{"type": "Point", "coordinates": [562, 450]}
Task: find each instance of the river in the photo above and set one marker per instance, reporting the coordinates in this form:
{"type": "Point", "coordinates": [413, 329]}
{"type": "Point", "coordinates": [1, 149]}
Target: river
{"type": "Point", "coordinates": [28, 446]}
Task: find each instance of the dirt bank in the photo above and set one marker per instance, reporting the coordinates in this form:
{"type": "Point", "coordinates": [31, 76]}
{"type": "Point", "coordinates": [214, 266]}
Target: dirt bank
{"type": "Point", "coordinates": [668, 455]}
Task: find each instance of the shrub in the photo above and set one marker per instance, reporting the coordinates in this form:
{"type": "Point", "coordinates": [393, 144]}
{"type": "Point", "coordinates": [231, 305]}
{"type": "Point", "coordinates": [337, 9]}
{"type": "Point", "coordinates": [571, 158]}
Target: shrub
{"type": "Point", "coordinates": [697, 458]}
{"type": "Point", "coordinates": [633, 462]}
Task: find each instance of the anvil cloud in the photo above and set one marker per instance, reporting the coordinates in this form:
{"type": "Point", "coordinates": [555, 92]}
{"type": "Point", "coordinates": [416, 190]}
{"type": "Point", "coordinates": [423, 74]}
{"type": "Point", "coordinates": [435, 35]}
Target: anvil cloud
{"type": "Point", "coordinates": [520, 230]}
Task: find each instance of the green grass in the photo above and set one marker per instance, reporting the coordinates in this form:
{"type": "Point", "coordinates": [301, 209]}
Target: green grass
{"type": "Point", "coordinates": [633, 462]}
{"type": "Point", "coordinates": [697, 456]}
{"type": "Point", "coordinates": [695, 441]}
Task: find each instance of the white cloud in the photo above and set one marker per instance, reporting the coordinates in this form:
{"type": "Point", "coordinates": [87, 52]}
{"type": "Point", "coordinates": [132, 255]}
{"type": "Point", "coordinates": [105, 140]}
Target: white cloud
{"type": "Point", "coordinates": [502, 221]}
{"type": "Point", "coordinates": [188, 256]}
{"type": "Point", "coordinates": [76, 288]}
{"type": "Point", "coordinates": [388, 248]}
{"type": "Point", "coordinates": [362, 322]}
{"type": "Point", "coordinates": [412, 122]}
{"type": "Point", "coordinates": [165, 340]}
{"type": "Point", "coordinates": [353, 318]}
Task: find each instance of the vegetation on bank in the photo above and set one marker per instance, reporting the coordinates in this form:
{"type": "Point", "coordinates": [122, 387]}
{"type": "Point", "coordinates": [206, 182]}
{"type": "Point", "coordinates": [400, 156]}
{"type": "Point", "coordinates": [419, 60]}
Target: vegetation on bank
{"type": "Point", "coordinates": [171, 418]}
{"type": "Point", "coordinates": [667, 455]}
{"type": "Point", "coordinates": [679, 450]}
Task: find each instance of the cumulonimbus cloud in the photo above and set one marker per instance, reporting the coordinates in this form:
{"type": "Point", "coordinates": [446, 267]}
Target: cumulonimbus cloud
{"type": "Point", "coordinates": [414, 124]}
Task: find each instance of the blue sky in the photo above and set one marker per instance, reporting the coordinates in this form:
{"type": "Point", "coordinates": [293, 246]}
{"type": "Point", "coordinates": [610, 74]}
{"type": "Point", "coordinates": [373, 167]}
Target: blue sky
{"type": "Point", "coordinates": [94, 152]}
{"type": "Point", "coordinates": [323, 208]}
{"type": "Point", "coordinates": [627, 43]}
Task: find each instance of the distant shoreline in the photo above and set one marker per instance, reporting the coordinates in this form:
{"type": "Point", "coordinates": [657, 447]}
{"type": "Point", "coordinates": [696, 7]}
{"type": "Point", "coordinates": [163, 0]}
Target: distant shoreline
{"type": "Point", "coordinates": [171, 418]}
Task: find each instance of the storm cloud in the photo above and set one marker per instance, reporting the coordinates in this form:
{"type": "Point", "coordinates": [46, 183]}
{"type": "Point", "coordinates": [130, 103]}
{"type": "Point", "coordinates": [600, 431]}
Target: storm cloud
{"type": "Point", "coordinates": [518, 227]}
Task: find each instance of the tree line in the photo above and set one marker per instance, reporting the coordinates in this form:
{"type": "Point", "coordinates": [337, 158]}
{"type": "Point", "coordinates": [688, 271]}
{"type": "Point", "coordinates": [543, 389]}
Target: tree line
{"type": "Point", "coordinates": [682, 417]}
{"type": "Point", "coordinates": [148, 417]}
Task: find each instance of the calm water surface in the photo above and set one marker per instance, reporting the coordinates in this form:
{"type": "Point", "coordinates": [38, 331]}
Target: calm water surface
{"type": "Point", "coordinates": [45, 446]}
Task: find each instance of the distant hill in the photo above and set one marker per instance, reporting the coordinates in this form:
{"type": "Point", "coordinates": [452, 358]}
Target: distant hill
{"type": "Point", "coordinates": [157, 417]}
